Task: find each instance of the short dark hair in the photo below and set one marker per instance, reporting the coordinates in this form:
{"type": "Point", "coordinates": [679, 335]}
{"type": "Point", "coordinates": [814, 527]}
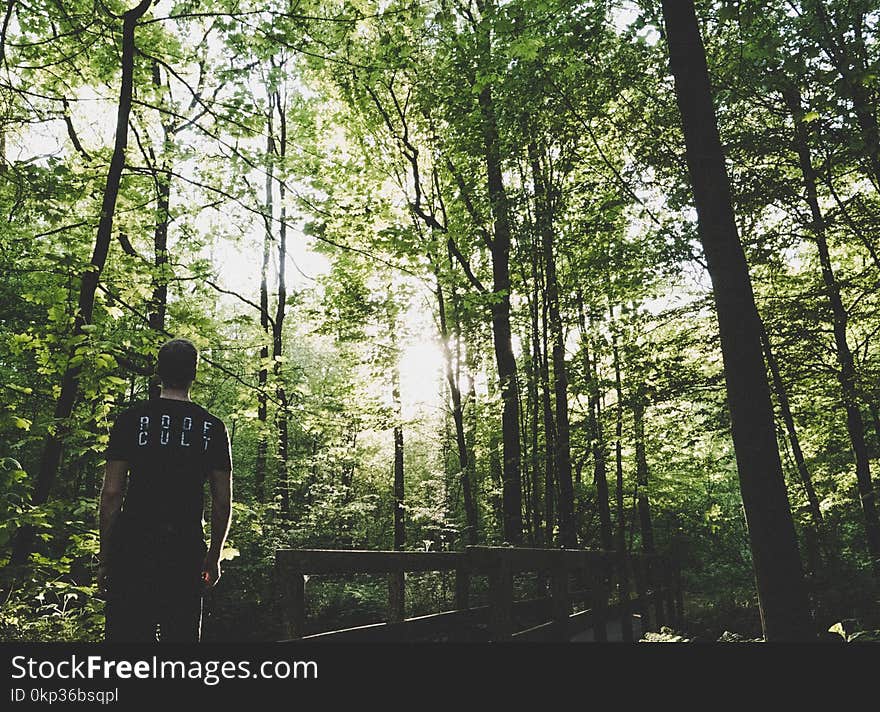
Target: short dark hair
{"type": "Point", "coordinates": [177, 363]}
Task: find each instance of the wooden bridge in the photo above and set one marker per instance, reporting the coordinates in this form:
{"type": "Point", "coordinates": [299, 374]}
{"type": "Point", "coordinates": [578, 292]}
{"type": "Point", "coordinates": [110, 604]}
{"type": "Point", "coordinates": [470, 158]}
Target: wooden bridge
{"type": "Point", "coordinates": [585, 595]}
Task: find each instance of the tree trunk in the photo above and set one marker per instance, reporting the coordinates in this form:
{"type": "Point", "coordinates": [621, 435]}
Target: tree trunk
{"type": "Point", "coordinates": [600, 475]}
{"type": "Point", "coordinates": [158, 303]}
{"type": "Point", "coordinates": [465, 463]}
{"type": "Point", "coordinates": [544, 221]}
{"type": "Point", "coordinates": [646, 528]}
{"type": "Point", "coordinates": [399, 519]}
{"type": "Point", "coordinates": [501, 331]}
{"type": "Point", "coordinates": [52, 444]}
{"type": "Point", "coordinates": [544, 535]}
{"type": "Point", "coordinates": [541, 349]}
{"type": "Point", "coordinates": [528, 491]}
{"type": "Point", "coordinates": [620, 544]}
{"type": "Point", "coordinates": [782, 596]}
{"type": "Point", "coordinates": [263, 376]}
{"type": "Point", "coordinates": [496, 474]}
{"type": "Point", "coordinates": [469, 411]}
{"type": "Point", "coordinates": [847, 374]}
{"type": "Point", "coordinates": [280, 312]}
{"type": "Point", "coordinates": [791, 430]}
{"type": "Point", "coordinates": [618, 439]}
{"type": "Point", "coordinates": [159, 299]}
{"type": "Point", "coordinates": [597, 441]}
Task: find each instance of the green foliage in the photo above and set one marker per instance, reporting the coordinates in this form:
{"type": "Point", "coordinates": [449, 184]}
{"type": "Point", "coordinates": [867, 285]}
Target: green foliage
{"type": "Point", "coordinates": [848, 630]}
{"type": "Point", "coordinates": [385, 180]}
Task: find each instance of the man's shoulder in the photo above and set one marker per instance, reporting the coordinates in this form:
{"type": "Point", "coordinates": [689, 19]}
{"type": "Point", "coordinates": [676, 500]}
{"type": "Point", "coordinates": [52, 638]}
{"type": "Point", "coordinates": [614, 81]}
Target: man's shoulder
{"type": "Point", "coordinates": [208, 415]}
{"type": "Point", "coordinates": [134, 408]}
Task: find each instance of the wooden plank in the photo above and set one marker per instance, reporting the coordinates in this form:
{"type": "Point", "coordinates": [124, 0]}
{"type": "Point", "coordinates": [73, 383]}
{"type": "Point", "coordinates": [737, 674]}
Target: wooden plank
{"type": "Point", "coordinates": [560, 602]}
{"type": "Point", "coordinates": [482, 558]}
{"type": "Point", "coordinates": [532, 609]}
{"type": "Point", "coordinates": [500, 599]}
{"type": "Point", "coordinates": [336, 561]}
{"type": "Point", "coordinates": [576, 623]}
{"type": "Point", "coordinates": [396, 596]}
{"type": "Point", "coordinates": [433, 625]}
{"type": "Point", "coordinates": [374, 633]}
{"type": "Point", "coordinates": [291, 584]}
{"type": "Point", "coordinates": [544, 633]}
{"type": "Point", "coordinates": [340, 561]}
{"type": "Point", "coordinates": [425, 627]}
{"type": "Point", "coordinates": [583, 620]}
{"type": "Point", "coordinates": [599, 600]}
{"type": "Point", "coordinates": [462, 587]}
{"type": "Point", "coordinates": [448, 623]}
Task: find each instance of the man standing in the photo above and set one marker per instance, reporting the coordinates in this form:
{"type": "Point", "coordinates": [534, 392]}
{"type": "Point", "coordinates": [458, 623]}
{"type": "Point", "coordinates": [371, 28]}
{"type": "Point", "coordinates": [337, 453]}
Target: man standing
{"type": "Point", "coordinates": [153, 562]}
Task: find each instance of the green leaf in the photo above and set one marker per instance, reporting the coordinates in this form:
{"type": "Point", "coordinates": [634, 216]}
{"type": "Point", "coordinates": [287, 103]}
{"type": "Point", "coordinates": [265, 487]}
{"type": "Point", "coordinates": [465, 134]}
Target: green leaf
{"type": "Point", "coordinates": [20, 423]}
{"type": "Point", "coordinates": [229, 553]}
{"type": "Point", "coordinates": [525, 48]}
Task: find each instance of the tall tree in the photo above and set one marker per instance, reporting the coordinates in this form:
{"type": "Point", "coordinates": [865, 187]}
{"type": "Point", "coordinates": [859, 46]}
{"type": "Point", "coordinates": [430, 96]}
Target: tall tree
{"type": "Point", "coordinates": [265, 319]}
{"type": "Point", "coordinates": [53, 443]}
{"type": "Point", "coordinates": [499, 246]}
{"type": "Point", "coordinates": [840, 319]}
{"type": "Point", "coordinates": [281, 311]}
{"type": "Point", "coordinates": [785, 613]}
{"type": "Point", "coordinates": [544, 210]}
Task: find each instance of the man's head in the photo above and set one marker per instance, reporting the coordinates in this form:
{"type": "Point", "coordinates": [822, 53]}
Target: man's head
{"type": "Point", "coordinates": [178, 359]}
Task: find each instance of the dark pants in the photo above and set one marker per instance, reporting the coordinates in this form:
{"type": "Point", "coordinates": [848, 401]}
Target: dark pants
{"type": "Point", "coordinates": [155, 588]}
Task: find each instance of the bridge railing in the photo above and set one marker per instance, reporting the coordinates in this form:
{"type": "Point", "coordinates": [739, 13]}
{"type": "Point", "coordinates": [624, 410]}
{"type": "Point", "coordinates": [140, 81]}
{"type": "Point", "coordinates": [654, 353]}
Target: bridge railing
{"type": "Point", "coordinates": [601, 592]}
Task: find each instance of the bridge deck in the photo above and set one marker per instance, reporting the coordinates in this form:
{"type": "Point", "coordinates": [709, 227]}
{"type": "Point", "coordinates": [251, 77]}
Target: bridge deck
{"type": "Point", "coordinates": [614, 630]}
{"type": "Point", "coordinates": [604, 584]}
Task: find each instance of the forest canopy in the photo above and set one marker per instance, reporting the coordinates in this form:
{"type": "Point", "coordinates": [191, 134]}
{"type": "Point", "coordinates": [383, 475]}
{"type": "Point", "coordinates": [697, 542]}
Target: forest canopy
{"type": "Point", "coordinates": [460, 272]}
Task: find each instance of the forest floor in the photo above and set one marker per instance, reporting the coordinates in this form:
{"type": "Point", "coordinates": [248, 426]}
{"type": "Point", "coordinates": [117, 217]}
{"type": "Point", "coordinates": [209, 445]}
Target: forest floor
{"type": "Point", "coordinates": [665, 635]}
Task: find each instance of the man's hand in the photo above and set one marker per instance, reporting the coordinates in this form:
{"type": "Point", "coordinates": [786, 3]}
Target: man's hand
{"type": "Point", "coordinates": [221, 515]}
{"type": "Point", "coordinates": [210, 571]}
{"type": "Point", "coordinates": [111, 500]}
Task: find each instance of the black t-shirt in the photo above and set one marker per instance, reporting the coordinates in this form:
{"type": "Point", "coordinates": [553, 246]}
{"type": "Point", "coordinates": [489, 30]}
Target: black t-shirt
{"type": "Point", "coordinates": [171, 447]}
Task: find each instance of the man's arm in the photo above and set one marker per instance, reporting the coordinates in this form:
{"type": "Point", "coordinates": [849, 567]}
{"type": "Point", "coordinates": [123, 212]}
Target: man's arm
{"type": "Point", "coordinates": [221, 517]}
{"type": "Point", "coordinates": [111, 503]}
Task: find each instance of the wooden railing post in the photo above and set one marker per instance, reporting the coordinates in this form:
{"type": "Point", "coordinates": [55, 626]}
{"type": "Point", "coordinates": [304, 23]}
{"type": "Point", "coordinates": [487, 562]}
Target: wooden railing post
{"type": "Point", "coordinates": [291, 582]}
{"type": "Point", "coordinates": [598, 598]}
{"type": "Point", "coordinates": [396, 596]}
{"type": "Point", "coordinates": [462, 587]}
{"type": "Point", "coordinates": [560, 602]}
{"type": "Point", "coordinates": [500, 597]}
